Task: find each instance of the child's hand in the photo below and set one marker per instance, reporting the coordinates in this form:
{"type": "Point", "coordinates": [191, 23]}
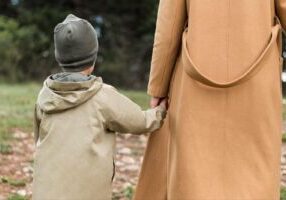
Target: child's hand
{"type": "Point", "coordinates": [164, 103]}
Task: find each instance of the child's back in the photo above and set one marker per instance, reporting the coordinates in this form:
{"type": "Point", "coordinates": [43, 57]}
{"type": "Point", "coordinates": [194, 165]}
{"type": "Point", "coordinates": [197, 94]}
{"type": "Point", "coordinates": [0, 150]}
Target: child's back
{"type": "Point", "coordinates": [76, 116]}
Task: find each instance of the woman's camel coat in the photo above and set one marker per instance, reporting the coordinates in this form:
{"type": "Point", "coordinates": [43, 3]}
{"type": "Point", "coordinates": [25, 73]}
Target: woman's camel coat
{"type": "Point", "coordinates": [220, 64]}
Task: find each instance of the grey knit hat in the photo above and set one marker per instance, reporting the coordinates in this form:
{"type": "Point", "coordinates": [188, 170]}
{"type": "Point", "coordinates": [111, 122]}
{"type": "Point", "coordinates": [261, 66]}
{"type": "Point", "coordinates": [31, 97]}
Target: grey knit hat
{"type": "Point", "coordinates": [76, 44]}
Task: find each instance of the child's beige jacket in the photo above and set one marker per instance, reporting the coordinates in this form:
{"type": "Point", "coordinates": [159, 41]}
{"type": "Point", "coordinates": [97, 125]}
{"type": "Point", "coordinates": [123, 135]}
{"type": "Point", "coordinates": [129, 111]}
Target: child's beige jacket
{"type": "Point", "coordinates": [75, 141]}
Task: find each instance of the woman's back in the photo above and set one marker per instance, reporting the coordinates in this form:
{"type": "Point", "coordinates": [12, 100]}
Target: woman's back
{"type": "Point", "coordinates": [218, 62]}
{"type": "Point", "coordinates": [225, 37]}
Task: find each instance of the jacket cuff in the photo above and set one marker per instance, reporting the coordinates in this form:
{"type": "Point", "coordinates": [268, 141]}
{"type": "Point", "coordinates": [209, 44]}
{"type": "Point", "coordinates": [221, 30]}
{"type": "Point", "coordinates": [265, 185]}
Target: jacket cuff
{"type": "Point", "coordinates": [154, 118]}
{"type": "Point", "coordinates": [160, 112]}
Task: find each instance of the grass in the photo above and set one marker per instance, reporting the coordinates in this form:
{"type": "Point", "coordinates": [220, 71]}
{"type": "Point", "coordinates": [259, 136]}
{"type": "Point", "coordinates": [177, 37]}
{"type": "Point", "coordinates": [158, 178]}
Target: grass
{"type": "Point", "coordinates": [5, 148]}
{"type": "Point", "coordinates": [128, 192]}
{"type": "Point", "coordinates": [17, 104]}
{"type": "Point", "coordinates": [16, 197]}
{"type": "Point", "coordinates": [283, 194]}
{"type": "Point", "coordinates": [140, 97]}
{"type": "Point", "coordinates": [16, 108]}
{"type": "Point", "coordinates": [13, 182]}
{"type": "Point", "coordinates": [284, 137]}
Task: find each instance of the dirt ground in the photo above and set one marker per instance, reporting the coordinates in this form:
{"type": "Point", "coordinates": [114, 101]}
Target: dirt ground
{"type": "Point", "coordinates": [16, 166]}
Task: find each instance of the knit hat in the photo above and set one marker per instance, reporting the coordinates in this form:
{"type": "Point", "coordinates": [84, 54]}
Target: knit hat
{"type": "Point", "coordinates": [76, 44]}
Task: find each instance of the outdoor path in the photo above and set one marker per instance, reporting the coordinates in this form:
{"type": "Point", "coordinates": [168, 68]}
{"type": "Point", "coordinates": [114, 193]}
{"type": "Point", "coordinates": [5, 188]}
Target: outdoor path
{"type": "Point", "coordinates": [16, 165]}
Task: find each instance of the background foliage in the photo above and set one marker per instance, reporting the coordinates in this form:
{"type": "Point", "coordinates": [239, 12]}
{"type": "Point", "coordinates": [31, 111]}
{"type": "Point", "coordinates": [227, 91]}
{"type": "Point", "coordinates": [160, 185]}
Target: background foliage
{"type": "Point", "coordinates": [125, 29]}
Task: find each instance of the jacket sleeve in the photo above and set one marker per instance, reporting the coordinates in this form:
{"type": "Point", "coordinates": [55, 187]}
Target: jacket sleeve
{"type": "Point", "coordinates": [281, 12]}
{"type": "Point", "coordinates": [124, 116]}
{"type": "Point", "coordinates": [171, 19]}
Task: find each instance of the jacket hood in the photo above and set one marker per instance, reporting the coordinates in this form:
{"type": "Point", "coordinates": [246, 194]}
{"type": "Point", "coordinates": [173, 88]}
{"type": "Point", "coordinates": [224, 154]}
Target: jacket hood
{"type": "Point", "coordinates": [67, 90]}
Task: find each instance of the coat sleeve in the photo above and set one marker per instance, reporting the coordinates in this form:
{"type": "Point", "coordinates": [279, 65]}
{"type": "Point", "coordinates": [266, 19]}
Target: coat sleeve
{"type": "Point", "coordinates": [281, 12]}
{"type": "Point", "coordinates": [124, 116]}
{"type": "Point", "coordinates": [171, 19]}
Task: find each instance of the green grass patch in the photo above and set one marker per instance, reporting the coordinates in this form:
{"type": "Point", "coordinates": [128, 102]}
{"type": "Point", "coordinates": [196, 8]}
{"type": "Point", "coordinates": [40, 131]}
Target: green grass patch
{"type": "Point", "coordinates": [13, 182]}
{"type": "Point", "coordinates": [284, 137]}
{"type": "Point", "coordinates": [16, 108]}
{"type": "Point", "coordinates": [283, 194]}
{"type": "Point", "coordinates": [140, 97]}
{"type": "Point", "coordinates": [17, 197]}
{"type": "Point", "coordinates": [5, 148]}
{"type": "Point", "coordinates": [128, 192]}
{"type": "Point", "coordinates": [284, 109]}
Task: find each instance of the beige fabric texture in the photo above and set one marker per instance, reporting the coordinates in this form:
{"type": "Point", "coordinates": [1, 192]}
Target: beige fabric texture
{"type": "Point", "coordinates": [221, 138]}
{"type": "Point", "coordinates": [75, 125]}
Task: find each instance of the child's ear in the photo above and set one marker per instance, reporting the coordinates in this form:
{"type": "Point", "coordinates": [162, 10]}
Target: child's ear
{"type": "Point", "coordinates": [91, 69]}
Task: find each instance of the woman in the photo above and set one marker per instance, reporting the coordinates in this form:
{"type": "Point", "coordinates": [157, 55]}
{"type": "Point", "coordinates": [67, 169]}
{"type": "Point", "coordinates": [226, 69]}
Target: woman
{"type": "Point", "coordinates": [219, 64]}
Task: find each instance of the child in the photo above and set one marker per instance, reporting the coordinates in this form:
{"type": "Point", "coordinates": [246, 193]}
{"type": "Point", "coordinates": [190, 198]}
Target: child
{"type": "Point", "coordinates": [76, 116]}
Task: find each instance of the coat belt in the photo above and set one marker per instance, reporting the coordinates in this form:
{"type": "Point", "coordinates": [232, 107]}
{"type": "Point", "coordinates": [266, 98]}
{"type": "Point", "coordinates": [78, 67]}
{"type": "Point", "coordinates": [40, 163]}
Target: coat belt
{"type": "Point", "coordinates": [194, 71]}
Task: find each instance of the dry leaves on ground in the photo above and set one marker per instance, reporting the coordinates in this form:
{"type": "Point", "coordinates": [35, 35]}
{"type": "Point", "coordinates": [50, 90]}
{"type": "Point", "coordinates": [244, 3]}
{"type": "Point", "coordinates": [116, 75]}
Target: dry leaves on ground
{"type": "Point", "coordinates": [16, 161]}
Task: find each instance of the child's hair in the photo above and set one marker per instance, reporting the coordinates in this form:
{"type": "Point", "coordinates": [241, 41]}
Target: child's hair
{"type": "Point", "coordinates": [76, 44]}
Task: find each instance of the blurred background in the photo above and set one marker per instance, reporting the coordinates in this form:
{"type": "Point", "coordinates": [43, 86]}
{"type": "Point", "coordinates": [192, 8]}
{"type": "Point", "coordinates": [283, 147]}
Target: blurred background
{"type": "Point", "coordinates": [125, 29]}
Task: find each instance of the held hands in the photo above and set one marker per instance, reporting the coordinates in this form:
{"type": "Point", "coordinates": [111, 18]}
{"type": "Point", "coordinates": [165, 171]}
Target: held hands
{"type": "Point", "coordinates": [156, 101]}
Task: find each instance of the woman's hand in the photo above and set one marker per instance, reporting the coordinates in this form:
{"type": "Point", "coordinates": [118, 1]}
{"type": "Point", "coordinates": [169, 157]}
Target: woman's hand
{"type": "Point", "coordinates": [155, 101]}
